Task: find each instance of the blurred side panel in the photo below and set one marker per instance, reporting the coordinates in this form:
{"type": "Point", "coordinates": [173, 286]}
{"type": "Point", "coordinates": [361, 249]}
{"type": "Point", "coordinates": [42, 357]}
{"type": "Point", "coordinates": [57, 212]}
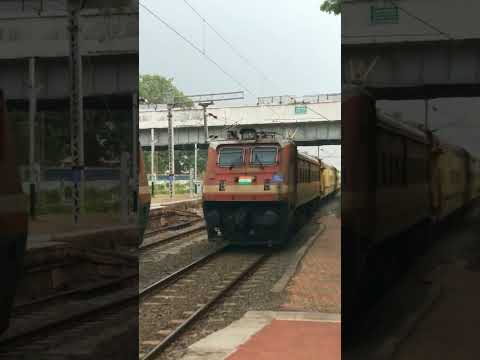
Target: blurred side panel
{"type": "Point", "coordinates": [69, 76]}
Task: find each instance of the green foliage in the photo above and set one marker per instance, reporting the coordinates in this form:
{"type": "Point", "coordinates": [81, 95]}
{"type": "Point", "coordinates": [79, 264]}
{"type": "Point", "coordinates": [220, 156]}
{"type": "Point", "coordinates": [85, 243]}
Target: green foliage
{"type": "Point", "coordinates": [106, 134]}
{"type": "Point", "coordinates": [96, 201]}
{"type": "Point", "coordinates": [184, 161]}
{"type": "Point", "coordinates": [332, 6]}
{"type": "Point", "coordinates": [156, 89]}
{"type": "Point", "coordinates": [163, 189]}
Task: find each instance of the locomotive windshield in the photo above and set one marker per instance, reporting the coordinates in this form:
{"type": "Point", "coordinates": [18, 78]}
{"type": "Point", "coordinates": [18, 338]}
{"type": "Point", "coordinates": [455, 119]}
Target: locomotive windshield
{"type": "Point", "coordinates": [264, 156]}
{"type": "Point", "coordinates": [230, 157]}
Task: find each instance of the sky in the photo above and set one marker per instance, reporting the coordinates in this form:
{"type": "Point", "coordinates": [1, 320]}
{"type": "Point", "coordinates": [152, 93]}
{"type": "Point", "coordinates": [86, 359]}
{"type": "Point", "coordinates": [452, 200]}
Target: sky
{"type": "Point", "coordinates": [297, 47]}
{"type": "Point", "coordinates": [291, 47]}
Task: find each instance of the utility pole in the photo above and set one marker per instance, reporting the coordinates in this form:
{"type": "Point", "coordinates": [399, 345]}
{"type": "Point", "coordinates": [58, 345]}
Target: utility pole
{"type": "Point", "coordinates": [32, 110]}
{"type": "Point", "coordinates": [76, 109]}
{"type": "Point", "coordinates": [196, 161]}
{"type": "Point", "coordinates": [204, 105]}
{"type": "Point", "coordinates": [195, 168]}
{"type": "Point", "coordinates": [203, 100]}
{"type": "Point", "coordinates": [152, 154]}
{"type": "Point", "coordinates": [135, 144]}
{"type": "Point", "coordinates": [171, 151]}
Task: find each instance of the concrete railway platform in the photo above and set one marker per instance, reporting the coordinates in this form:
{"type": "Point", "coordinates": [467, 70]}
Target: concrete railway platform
{"type": "Point", "coordinates": [183, 204]}
{"type": "Point", "coordinates": [57, 247]}
{"type": "Point", "coordinates": [436, 305]}
{"type": "Point", "coordinates": [52, 229]}
{"type": "Point", "coordinates": [307, 325]}
{"type": "Point", "coordinates": [273, 335]}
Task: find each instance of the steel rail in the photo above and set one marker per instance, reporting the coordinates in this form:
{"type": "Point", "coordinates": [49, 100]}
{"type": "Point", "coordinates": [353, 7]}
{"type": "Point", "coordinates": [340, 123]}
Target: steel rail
{"type": "Point", "coordinates": [101, 285]}
{"type": "Point", "coordinates": [172, 227]}
{"type": "Point", "coordinates": [172, 238]}
{"type": "Point", "coordinates": [181, 272]}
{"type": "Point", "coordinates": [47, 328]}
{"type": "Point", "coordinates": [197, 314]}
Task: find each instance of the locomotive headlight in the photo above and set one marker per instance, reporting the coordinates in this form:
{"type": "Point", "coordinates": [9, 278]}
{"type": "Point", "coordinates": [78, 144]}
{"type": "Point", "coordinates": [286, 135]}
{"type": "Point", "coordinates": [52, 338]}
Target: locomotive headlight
{"type": "Point", "coordinates": [266, 186]}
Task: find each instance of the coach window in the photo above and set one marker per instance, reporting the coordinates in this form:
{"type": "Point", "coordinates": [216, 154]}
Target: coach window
{"type": "Point", "coordinates": [391, 166]}
{"type": "Point", "coordinates": [264, 156]}
{"type": "Point", "coordinates": [379, 170]}
{"type": "Point", "coordinates": [397, 171]}
{"type": "Point", "coordinates": [229, 156]}
{"type": "Point", "coordinates": [384, 169]}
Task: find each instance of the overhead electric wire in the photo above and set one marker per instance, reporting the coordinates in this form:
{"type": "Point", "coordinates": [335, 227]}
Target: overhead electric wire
{"type": "Point", "coordinates": [213, 61]}
{"type": "Point", "coordinates": [424, 22]}
{"type": "Point", "coordinates": [201, 52]}
{"type": "Point", "coordinates": [316, 112]}
{"type": "Point", "coordinates": [196, 48]}
{"type": "Point", "coordinates": [239, 54]}
{"type": "Point", "coordinates": [233, 49]}
{"type": "Point", "coordinates": [227, 42]}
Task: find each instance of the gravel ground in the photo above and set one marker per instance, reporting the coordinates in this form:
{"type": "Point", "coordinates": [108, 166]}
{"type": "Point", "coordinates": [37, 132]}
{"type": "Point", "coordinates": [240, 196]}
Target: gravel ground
{"type": "Point", "coordinates": [455, 241]}
{"type": "Point", "coordinates": [252, 293]}
{"type": "Point", "coordinates": [159, 261]}
{"type": "Point", "coordinates": [160, 310]}
{"type": "Point", "coordinates": [95, 337]}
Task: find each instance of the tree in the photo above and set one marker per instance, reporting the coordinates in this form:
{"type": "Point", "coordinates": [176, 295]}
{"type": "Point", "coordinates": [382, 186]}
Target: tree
{"type": "Point", "coordinates": [332, 6]}
{"type": "Point", "coordinates": [156, 89]}
{"type": "Point", "coordinates": [184, 161]}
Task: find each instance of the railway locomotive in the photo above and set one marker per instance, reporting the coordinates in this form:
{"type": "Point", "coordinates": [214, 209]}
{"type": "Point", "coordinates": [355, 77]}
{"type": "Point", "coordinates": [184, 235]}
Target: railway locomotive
{"type": "Point", "coordinates": [397, 177]}
{"type": "Point", "coordinates": [255, 185]}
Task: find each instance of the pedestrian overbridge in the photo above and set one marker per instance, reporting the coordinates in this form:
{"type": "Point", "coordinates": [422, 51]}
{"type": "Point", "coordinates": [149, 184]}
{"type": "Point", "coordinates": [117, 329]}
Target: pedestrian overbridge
{"type": "Point", "coordinates": [412, 49]}
{"type": "Point", "coordinates": [313, 124]}
{"type": "Point", "coordinates": [35, 48]}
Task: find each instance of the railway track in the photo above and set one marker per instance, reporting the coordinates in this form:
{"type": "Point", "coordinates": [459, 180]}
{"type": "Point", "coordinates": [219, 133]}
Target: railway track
{"type": "Point", "coordinates": [161, 327]}
{"type": "Point", "coordinates": [171, 220]}
{"type": "Point", "coordinates": [174, 227]}
{"type": "Point", "coordinates": [44, 317]}
{"type": "Point", "coordinates": [47, 316]}
{"type": "Point", "coordinates": [192, 228]}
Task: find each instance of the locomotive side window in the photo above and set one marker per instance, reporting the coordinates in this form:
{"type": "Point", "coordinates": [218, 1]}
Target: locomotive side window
{"type": "Point", "coordinates": [230, 157]}
{"type": "Point", "coordinates": [264, 156]}
{"type": "Point", "coordinates": [384, 169]}
{"type": "Point", "coordinates": [391, 180]}
{"type": "Point", "coordinates": [404, 165]}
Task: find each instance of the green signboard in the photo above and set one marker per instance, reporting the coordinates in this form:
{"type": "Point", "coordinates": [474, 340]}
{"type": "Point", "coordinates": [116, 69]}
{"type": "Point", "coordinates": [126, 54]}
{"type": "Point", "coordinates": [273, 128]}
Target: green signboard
{"type": "Point", "coordinates": [300, 110]}
{"type": "Point", "coordinates": [384, 14]}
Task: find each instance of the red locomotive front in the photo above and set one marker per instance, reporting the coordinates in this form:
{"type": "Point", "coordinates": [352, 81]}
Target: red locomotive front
{"type": "Point", "coordinates": [248, 190]}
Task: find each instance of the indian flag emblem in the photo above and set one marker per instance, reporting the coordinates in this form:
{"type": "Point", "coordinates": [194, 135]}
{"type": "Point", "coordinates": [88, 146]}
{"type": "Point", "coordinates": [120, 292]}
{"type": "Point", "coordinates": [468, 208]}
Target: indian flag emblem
{"type": "Point", "coordinates": [244, 180]}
